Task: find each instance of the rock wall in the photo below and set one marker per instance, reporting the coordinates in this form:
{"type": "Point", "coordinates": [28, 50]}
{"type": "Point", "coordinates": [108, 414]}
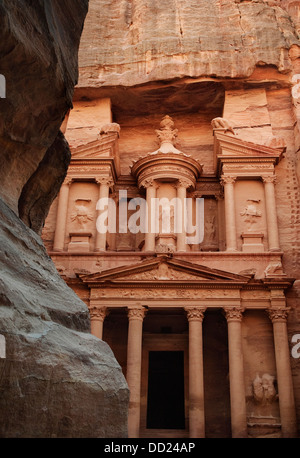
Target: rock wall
{"type": "Point", "coordinates": [141, 40]}
{"type": "Point", "coordinates": [57, 380]}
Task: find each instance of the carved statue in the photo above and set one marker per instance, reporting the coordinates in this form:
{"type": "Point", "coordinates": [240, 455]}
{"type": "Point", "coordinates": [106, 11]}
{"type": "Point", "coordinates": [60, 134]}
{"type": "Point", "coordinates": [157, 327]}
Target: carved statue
{"type": "Point", "coordinates": [274, 268]}
{"type": "Point", "coordinates": [110, 127]}
{"type": "Point", "coordinates": [264, 390]}
{"type": "Point", "coordinates": [222, 124]}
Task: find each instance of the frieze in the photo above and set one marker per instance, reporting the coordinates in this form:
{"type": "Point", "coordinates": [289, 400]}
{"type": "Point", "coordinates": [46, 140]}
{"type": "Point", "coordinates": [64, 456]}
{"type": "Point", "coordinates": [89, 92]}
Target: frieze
{"type": "Point", "coordinates": [259, 294]}
{"type": "Point", "coordinates": [170, 293]}
{"type": "Point", "coordinates": [243, 167]}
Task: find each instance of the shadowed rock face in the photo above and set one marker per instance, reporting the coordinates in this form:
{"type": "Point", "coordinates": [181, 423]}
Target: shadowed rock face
{"type": "Point", "coordinates": [57, 380]}
{"type": "Point", "coordinates": [39, 48]}
{"type": "Point", "coordinates": [41, 188]}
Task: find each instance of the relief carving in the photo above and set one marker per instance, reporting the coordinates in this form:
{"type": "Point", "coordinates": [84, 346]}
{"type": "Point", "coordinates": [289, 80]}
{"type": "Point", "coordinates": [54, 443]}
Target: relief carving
{"type": "Point", "coordinates": [264, 391]}
{"type": "Point", "coordinates": [161, 293]}
{"type": "Point", "coordinates": [210, 226]}
{"type": "Point", "coordinates": [251, 213]}
{"type": "Point", "coordinates": [82, 215]}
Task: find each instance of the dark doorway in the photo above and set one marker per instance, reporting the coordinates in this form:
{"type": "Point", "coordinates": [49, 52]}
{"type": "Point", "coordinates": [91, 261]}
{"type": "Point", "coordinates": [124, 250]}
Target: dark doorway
{"type": "Point", "coordinates": [165, 408]}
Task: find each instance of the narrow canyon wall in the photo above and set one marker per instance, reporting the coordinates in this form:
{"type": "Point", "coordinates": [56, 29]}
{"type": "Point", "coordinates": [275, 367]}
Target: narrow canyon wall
{"type": "Point", "coordinates": [57, 380]}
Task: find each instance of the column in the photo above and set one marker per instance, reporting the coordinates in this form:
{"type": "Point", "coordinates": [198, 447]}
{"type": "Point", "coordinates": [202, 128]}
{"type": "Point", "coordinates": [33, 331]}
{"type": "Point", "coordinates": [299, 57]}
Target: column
{"type": "Point", "coordinates": [97, 315]}
{"type": "Point", "coordinates": [61, 218]}
{"type": "Point", "coordinates": [273, 235]}
{"type": "Point", "coordinates": [234, 317]}
{"type": "Point", "coordinates": [278, 317]}
{"type": "Point", "coordinates": [195, 317]}
{"type": "Point", "coordinates": [230, 224]}
{"type": "Point", "coordinates": [104, 186]}
{"type": "Point", "coordinates": [150, 235]}
{"type": "Point", "coordinates": [181, 215]}
{"type": "Point", "coordinates": [134, 362]}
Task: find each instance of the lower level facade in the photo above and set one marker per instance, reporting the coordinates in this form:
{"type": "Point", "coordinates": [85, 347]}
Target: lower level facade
{"type": "Point", "coordinates": [205, 352]}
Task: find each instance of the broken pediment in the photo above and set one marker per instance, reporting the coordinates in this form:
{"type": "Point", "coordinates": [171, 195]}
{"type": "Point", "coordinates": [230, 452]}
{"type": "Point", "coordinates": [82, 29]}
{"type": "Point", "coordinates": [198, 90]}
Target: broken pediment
{"type": "Point", "coordinates": [104, 146]}
{"type": "Point", "coordinates": [231, 149]}
{"type": "Point", "coordinates": [103, 151]}
{"type": "Point", "coordinates": [164, 269]}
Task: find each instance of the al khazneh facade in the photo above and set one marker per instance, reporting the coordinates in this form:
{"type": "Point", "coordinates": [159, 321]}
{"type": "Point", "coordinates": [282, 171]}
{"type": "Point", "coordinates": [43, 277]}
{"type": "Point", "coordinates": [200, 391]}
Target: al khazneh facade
{"type": "Point", "coordinates": [200, 329]}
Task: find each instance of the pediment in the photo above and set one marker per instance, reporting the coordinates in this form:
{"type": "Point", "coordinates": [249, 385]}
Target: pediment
{"type": "Point", "coordinates": [164, 269]}
{"type": "Point", "coordinates": [103, 147]}
{"type": "Point", "coordinates": [232, 147]}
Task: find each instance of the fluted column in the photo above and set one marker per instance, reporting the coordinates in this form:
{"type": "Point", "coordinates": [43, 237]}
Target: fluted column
{"type": "Point", "coordinates": [230, 222]}
{"type": "Point", "coordinates": [134, 362]}
{"type": "Point", "coordinates": [104, 186]}
{"type": "Point", "coordinates": [278, 317]}
{"type": "Point", "coordinates": [98, 315]}
{"type": "Point", "coordinates": [150, 235]}
{"type": "Point", "coordinates": [234, 317]}
{"type": "Point", "coordinates": [181, 215]}
{"type": "Point", "coordinates": [61, 218]}
{"type": "Point", "coordinates": [273, 235]}
{"type": "Point", "coordinates": [195, 317]}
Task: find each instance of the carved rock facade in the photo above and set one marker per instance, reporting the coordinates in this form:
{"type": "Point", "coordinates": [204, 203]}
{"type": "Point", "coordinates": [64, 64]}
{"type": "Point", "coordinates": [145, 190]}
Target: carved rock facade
{"type": "Point", "coordinates": [215, 297]}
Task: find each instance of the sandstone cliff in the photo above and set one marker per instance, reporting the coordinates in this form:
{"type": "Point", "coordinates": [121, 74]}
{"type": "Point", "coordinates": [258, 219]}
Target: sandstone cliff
{"type": "Point", "coordinates": [56, 379]}
{"type": "Point", "coordinates": [140, 40]}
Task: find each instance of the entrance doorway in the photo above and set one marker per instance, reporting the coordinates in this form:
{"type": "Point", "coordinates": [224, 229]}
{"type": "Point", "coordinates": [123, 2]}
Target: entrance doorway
{"type": "Point", "coordinates": [165, 407]}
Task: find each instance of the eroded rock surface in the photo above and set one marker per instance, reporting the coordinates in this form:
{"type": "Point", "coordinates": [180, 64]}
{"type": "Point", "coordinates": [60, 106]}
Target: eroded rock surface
{"type": "Point", "coordinates": [142, 40]}
{"type": "Point", "coordinates": [39, 49]}
{"type": "Point", "coordinates": [57, 380]}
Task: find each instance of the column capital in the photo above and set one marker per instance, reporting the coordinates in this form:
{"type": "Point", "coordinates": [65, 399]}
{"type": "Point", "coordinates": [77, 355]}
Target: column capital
{"type": "Point", "coordinates": [150, 183]}
{"type": "Point", "coordinates": [195, 313]}
{"type": "Point", "coordinates": [278, 314]}
{"type": "Point", "coordinates": [227, 179]}
{"type": "Point", "coordinates": [219, 196]}
{"type": "Point", "coordinates": [269, 179]}
{"type": "Point", "coordinates": [108, 181]}
{"type": "Point", "coordinates": [182, 183]}
{"type": "Point", "coordinates": [68, 181]}
{"type": "Point", "coordinates": [136, 312]}
{"type": "Point", "coordinates": [98, 313]}
{"type": "Point", "coordinates": [233, 313]}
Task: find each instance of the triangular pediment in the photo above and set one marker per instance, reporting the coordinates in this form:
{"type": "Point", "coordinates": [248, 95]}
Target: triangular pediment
{"type": "Point", "coordinates": [163, 269]}
{"type": "Point", "coordinates": [232, 147]}
{"type": "Point", "coordinates": [104, 146]}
